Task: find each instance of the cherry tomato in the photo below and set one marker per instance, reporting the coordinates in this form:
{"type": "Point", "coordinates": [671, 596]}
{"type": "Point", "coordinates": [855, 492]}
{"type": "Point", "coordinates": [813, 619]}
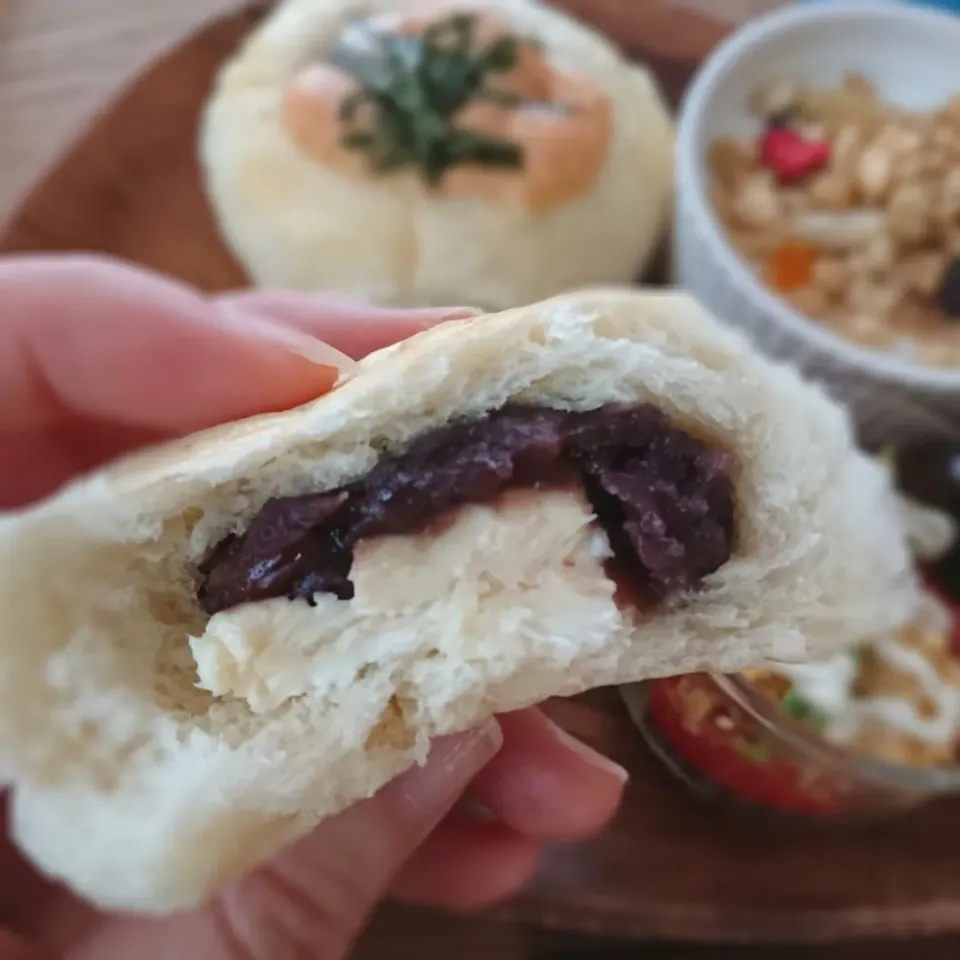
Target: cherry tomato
{"type": "Point", "coordinates": [733, 757]}
{"type": "Point", "coordinates": [951, 604]}
{"type": "Point", "coordinates": [790, 155]}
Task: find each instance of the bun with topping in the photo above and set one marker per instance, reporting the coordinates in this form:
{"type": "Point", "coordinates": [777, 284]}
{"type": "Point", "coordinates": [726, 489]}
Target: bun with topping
{"type": "Point", "coordinates": [214, 644]}
{"type": "Point", "coordinates": [488, 152]}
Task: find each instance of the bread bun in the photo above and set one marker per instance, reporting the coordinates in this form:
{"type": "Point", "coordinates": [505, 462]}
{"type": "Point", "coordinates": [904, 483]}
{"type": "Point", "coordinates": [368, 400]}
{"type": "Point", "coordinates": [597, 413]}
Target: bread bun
{"type": "Point", "coordinates": [145, 791]}
{"type": "Point", "coordinates": [296, 222]}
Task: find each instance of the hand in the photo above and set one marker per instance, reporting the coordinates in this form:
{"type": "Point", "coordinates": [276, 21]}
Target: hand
{"type": "Point", "coordinates": [96, 359]}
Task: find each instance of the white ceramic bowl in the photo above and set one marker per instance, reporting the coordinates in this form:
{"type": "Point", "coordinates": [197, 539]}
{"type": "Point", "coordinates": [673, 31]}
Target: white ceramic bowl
{"type": "Point", "coordinates": [913, 56]}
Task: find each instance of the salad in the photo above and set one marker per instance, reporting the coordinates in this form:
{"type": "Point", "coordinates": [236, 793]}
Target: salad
{"type": "Point", "coordinates": [896, 699]}
{"type": "Point", "coordinates": [797, 737]}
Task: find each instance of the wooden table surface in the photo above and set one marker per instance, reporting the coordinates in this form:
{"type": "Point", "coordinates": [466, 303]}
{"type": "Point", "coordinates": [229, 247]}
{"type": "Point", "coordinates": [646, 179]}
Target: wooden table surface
{"type": "Point", "coordinates": [62, 60]}
{"type": "Point", "coordinates": [403, 934]}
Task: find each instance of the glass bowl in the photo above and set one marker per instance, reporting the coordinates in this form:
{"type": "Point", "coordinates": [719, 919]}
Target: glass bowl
{"type": "Point", "coordinates": [733, 745]}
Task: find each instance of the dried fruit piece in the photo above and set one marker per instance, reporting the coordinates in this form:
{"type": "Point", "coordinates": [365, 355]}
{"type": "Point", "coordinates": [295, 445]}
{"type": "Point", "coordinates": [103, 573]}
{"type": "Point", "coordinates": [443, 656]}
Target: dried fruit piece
{"type": "Point", "coordinates": [878, 254]}
{"type": "Point", "coordinates": [831, 190]}
{"type": "Point", "coordinates": [758, 203]}
{"type": "Point", "coordinates": [951, 110]}
{"type": "Point", "coordinates": [875, 169]}
{"type": "Point", "coordinates": [923, 272]}
{"type": "Point", "coordinates": [782, 118]}
{"type": "Point", "coordinates": [872, 298]}
{"type": "Point", "coordinates": [858, 86]}
{"type": "Point", "coordinates": [948, 207]}
{"type": "Point", "coordinates": [836, 109]}
{"type": "Point", "coordinates": [847, 145]}
{"type": "Point", "coordinates": [809, 301]}
{"type": "Point", "coordinates": [790, 155]}
{"type": "Point", "coordinates": [843, 230]}
{"type": "Point", "coordinates": [730, 159]}
{"type": "Point", "coordinates": [777, 97]}
{"type": "Point", "coordinates": [909, 213]}
{"type": "Point", "coordinates": [755, 245]}
{"type": "Point", "coordinates": [830, 275]}
{"type": "Point", "coordinates": [790, 267]}
{"type": "Point", "coordinates": [949, 296]}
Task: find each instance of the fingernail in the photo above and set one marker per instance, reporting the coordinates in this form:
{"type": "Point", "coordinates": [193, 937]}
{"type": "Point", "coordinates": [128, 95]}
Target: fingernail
{"type": "Point", "coordinates": [471, 809]}
{"type": "Point", "coordinates": [589, 755]}
{"type": "Point", "coordinates": [444, 314]}
{"type": "Point", "coordinates": [454, 761]}
{"type": "Point", "coordinates": [288, 337]}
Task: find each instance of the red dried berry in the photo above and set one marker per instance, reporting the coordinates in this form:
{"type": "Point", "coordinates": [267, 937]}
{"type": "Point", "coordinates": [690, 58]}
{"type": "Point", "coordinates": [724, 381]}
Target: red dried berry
{"type": "Point", "coordinates": [949, 294]}
{"type": "Point", "coordinates": [790, 155]}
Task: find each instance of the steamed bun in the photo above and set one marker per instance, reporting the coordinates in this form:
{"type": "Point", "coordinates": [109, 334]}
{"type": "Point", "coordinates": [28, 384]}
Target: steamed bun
{"type": "Point", "coordinates": [560, 178]}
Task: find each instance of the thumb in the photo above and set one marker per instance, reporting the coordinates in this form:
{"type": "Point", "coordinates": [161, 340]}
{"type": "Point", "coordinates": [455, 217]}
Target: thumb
{"type": "Point", "coordinates": [13, 947]}
{"type": "Point", "coordinates": [319, 893]}
{"type": "Point", "coordinates": [312, 900]}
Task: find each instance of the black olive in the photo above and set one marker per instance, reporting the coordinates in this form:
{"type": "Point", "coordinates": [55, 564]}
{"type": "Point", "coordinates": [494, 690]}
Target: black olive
{"type": "Point", "coordinates": [786, 117]}
{"type": "Point", "coordinates": [930, 473]}
{"type": "Point", "coordinates": [945, 573]}
{"type": "Point", "coordinates": [949, 296]}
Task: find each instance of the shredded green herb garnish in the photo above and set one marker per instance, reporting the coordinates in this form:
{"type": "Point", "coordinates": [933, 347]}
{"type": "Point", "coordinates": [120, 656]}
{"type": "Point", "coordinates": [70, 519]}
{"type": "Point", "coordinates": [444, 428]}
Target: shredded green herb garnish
{"type": "Point", "coordinates": [795, 706]}
{"type": "Point", "coordinates": [886, 456]}
{"type": "Point", "coordinates": [858, 653]}
{"type": "Point", "coordinates": [414, 85]}
{"type": "Point", "coordinates": [759, 752]}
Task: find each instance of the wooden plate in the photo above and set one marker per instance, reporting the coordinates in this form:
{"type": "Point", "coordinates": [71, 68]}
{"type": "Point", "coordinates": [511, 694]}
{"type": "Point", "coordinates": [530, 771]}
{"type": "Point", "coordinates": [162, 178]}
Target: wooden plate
{"type": "Point", "coordinates": [667, 867]}
{"type": "Point", "coordinates": [131, 186]}
{"type": "Point", "coordinates": [672, 867]}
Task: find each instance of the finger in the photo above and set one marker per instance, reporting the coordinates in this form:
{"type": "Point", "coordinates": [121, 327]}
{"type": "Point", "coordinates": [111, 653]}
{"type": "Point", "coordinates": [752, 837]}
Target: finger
{"type": "Point", "coordinates": [350, 326]}
{"type": "Point", "coordinates": [13, 947]}
{"type": "Point", "coordinates": [312, 900]}
{"type": "Point", "coordinates": [319, 894]}
{"type": "Point", "coordinates": [545, 784]}
{"type": "Point", "coordinates": [97, 358]}
{"type": "Point", "coordinates": [240, 312]}
{"type": "Point", "coordinates": [33, 907]}
{"type": "Point", "coordinates": [466, 866]}
{"type": "Point", "coordinates": [42, 466]}
{"type": "Point", "coordinates": [86, 336]}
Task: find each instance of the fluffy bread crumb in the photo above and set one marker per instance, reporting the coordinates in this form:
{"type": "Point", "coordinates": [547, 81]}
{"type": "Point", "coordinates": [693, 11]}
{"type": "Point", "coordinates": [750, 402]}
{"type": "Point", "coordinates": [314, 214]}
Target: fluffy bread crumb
{"type": "Point", "coordinates": [145, 792]}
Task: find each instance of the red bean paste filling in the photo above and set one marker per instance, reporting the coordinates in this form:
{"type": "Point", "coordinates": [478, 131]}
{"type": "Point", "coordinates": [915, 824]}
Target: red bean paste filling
{"type": "Point", "coordinates": [664, 499]}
